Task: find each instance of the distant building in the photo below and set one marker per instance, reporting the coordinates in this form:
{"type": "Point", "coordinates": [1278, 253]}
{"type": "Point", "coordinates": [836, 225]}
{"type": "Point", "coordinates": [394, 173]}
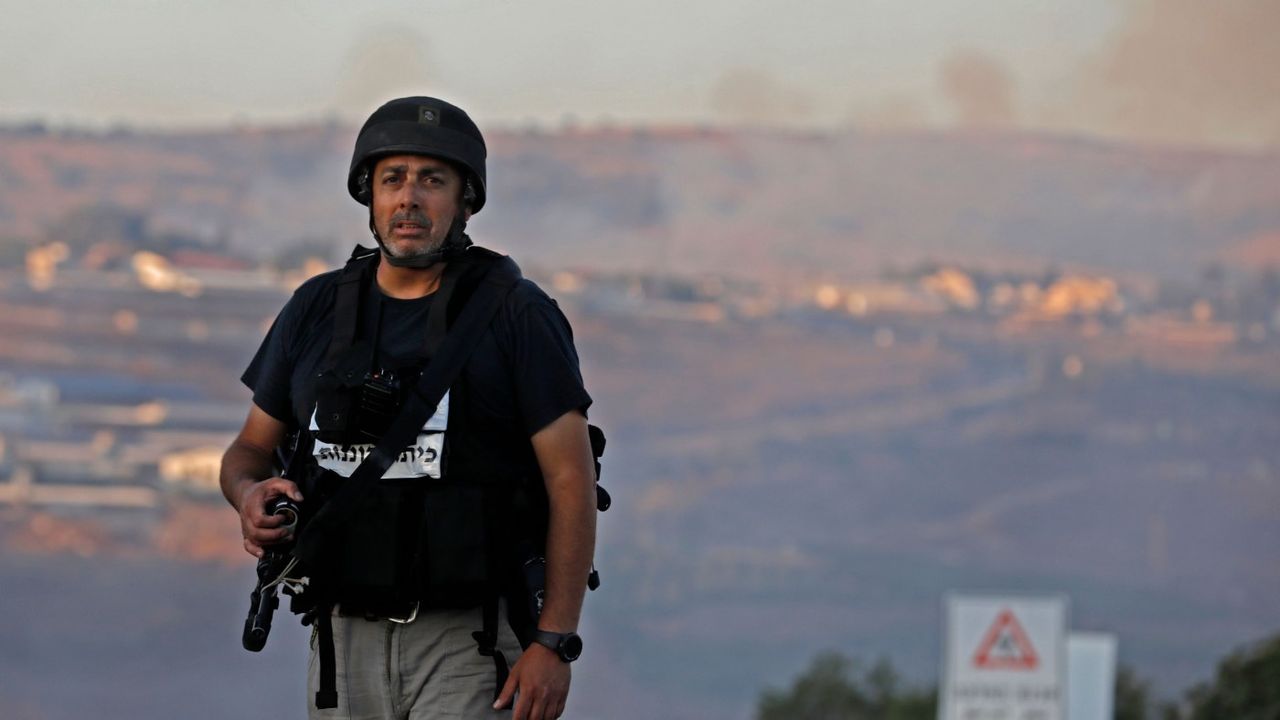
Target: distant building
{"type": "Point", "coordinates": [194, 470]}
{"type": "Point", "coordinates": [1080, 295]}
{"type": "Point", "coordinates": [1172, 330]}
{"type": "Point", "coordinates": [956, 287]}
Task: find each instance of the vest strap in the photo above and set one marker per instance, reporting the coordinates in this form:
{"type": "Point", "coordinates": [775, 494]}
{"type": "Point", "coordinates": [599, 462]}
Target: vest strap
{"type": "Point", "coordinates": [346, 307]}
{"type": "Point", "coordinates": [327, 694]}
{"type": "Point", "coordinates": [487, 643]}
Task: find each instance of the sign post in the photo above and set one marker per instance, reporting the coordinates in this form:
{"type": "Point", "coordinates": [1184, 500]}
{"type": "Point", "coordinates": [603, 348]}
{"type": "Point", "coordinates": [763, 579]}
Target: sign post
{"type": "Point", "coordinates": [1005, 659]}
{"type": "Point", "coordinates": [1091, 676]}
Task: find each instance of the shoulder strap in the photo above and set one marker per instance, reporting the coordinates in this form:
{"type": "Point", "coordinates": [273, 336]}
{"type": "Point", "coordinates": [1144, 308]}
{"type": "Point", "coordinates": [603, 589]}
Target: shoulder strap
{"type": "Point", "coordinates": [444, 368]}
{"type": "Point", "coordinates": [346, 307]}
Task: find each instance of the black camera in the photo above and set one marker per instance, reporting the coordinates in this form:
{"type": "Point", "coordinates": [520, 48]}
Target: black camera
{"type": "Point", "coordinates": [534, 572]}
{"type": "Point", "coordinates": [352, 413]}
{"type": "Point", "coordinates": [272, 567]}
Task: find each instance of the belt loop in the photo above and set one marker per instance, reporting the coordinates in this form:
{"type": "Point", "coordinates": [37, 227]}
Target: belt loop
{"type": "Point", "coordinates": [413, 615]}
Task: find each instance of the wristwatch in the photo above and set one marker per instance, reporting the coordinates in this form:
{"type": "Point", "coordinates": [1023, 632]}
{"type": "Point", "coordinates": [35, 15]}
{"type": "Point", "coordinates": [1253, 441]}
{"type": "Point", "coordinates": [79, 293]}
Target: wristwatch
{"type": "Point", "coordinates": [568, 646]}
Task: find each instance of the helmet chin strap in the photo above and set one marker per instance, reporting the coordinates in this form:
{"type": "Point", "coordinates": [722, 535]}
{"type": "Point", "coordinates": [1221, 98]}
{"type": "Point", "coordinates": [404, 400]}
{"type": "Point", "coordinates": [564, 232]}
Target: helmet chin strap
{"type": "Point", "coordinates": [455, 242]}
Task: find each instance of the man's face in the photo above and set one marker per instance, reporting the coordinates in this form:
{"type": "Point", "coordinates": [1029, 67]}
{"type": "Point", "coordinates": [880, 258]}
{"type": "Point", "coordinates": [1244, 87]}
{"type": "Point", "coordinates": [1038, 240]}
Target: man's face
{"type": "Point", "coordinates": [415, 199]}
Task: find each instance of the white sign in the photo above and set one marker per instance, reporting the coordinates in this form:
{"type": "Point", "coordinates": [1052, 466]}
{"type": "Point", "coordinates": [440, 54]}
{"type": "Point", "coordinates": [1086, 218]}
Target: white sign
{"type": "Point", "coordinates": [1005, 659]}
{"type": "Point", "coordinates": [1091, 676]}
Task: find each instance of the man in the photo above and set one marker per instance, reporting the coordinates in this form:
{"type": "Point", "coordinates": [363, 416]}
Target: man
{"type": "Point", "coordinates": [443, 513]}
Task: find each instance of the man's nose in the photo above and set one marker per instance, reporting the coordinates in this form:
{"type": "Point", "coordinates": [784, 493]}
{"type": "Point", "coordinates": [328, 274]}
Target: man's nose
{"type": "Point", "coordinates": [410, 196]}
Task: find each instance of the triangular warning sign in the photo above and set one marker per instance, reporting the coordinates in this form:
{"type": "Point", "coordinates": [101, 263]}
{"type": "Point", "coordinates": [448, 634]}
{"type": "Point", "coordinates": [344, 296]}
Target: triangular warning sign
{"type": "Point", "coordinates": [1005, 646]}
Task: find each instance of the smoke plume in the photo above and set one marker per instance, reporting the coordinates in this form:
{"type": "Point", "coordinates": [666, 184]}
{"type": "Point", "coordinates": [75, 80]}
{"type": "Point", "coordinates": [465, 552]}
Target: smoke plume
{"type": "Point", "coordinates": [1184, 71]}
{"type": "Point", "coordinates": [756, 97]}
{"type": "Point", "coordinates": [980, 89]}
{"type": "Point", "coordinates": [383, 63]}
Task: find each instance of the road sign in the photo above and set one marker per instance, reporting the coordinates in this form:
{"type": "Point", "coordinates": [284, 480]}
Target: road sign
{"type": "Point", "coordinates": [1006, 646]}
{"type": "Point", "coordinates": [1005, 659]}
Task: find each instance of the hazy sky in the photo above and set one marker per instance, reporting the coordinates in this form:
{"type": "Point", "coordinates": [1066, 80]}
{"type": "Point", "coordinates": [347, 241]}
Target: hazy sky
{"type": "Point", "coordinates": [140, 61]}
{"type": "Point", "coordinates": [799, 63]}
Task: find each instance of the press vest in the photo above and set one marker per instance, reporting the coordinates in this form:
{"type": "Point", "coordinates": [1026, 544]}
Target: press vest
{"type": "Point", "coordinates": [455, 536]}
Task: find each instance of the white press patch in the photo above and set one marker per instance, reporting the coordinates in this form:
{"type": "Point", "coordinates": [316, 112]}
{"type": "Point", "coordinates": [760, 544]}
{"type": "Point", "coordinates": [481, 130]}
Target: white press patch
{"type": "Point", "coordinates": [421, 459]}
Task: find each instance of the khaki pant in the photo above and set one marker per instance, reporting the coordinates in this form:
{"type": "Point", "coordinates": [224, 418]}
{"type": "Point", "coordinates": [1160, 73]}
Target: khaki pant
{"type": "Point", "coordinates": [423, 670]}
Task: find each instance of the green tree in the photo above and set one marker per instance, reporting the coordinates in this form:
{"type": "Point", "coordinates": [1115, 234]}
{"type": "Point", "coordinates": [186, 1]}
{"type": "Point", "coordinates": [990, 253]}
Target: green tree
{"type": "Point", "coordinates": [837, 688]}
{"type": "Point", "coordinates": [1247, 686]}
{"type": "Point", "coordinates": [1132, 696]}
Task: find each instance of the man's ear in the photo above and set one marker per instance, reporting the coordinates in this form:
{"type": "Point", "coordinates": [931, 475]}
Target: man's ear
{"type": "Point", "coordinates": [468, 199]}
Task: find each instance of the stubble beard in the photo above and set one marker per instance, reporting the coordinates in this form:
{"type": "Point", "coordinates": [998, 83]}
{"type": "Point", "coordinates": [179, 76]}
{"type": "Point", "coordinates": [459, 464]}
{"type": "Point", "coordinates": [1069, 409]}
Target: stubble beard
{"type": "Point", "coordinates": [412, 248]}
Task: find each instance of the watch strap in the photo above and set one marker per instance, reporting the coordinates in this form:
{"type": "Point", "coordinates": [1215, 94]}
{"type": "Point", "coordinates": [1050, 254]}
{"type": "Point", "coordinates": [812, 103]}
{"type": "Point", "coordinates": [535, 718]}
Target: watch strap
{"type": "Point", "coordinates": [562, 644]}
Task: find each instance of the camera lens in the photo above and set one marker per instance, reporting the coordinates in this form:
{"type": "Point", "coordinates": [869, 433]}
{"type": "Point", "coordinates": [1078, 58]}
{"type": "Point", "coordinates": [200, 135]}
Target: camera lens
{"type": "Point", "coordinates": [286, 509]}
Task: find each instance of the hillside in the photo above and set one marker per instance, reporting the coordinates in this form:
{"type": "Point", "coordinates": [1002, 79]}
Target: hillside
{"type": "Point", "coordinates": [782, 485]}
{"type": "Point", "coordinates": [811, 438]}
{"type": "Point", "coordinates": [742, 203]}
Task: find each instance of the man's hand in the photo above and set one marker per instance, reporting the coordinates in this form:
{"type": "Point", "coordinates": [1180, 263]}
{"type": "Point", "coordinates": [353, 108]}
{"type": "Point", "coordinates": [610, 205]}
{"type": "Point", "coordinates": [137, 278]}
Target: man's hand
{"type": "Point", "coordinates": [258, 528]}
{"type": "Point", "coordinates": [542, 680]}
{"type": "Point", "coordinates": [247, 484]}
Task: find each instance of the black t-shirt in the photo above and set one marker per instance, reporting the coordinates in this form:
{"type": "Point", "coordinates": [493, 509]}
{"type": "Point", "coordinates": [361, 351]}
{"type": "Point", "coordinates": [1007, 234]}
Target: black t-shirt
{"type": "Point", "coordinates": [523, 374]}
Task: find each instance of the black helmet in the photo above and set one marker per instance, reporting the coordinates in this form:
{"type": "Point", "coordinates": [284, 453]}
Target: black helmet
{"type": "Point", "coordinates": [418, 126]}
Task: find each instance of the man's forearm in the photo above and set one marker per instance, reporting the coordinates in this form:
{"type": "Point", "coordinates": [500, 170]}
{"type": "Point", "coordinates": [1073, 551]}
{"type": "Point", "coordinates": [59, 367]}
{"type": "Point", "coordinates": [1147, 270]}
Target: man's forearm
{"type": "Point", "coordinates": [242, 465]}
{"type": "Point", "coordinates": [571, 538]}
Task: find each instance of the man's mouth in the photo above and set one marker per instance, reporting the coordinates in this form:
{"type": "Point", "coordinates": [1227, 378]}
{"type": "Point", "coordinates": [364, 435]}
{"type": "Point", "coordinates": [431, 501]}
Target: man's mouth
{"type": "Point", "coordinates": [408, 228]}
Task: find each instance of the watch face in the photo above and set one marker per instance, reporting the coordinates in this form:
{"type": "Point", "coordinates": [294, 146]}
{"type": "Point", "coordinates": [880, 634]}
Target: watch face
{"type": "Point", "coordinates": [571, 647]}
